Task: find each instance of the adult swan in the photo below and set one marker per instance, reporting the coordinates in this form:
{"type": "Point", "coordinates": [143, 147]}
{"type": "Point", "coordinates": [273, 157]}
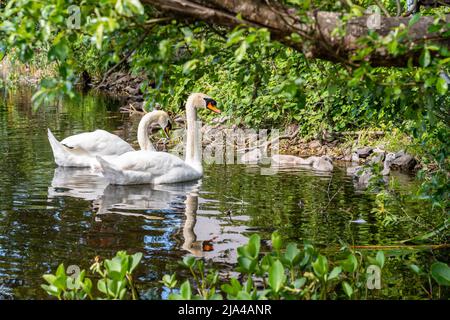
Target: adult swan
{"type": "Point", "coordinates": [144, 167]}
{"type": "Point", "coordinates": [80, 150]}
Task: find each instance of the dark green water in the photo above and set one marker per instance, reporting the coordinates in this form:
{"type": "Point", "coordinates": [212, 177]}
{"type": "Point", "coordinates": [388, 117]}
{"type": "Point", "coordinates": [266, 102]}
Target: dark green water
{"type": "Point", "coordinates": [50, 215]}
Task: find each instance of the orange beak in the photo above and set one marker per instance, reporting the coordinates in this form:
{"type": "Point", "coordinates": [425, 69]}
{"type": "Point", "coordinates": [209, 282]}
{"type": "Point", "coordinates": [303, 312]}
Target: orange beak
{"type": "Point", "coordinates": [213, 108]}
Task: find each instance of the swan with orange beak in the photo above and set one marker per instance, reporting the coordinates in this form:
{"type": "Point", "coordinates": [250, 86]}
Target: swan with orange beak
{"type": "Point", "coordinates": [145, 167]}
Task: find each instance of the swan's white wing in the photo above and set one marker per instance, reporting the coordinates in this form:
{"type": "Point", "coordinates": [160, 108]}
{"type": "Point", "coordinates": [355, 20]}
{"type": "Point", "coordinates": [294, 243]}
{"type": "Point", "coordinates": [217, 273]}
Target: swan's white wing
{"type": "Point", "coordinates": [140, 167]}
{"type": "Point", "coordinates": [98, 142]}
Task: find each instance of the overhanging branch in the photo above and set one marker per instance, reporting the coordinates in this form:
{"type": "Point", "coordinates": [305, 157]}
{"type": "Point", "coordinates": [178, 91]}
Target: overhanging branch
{"type": "Point", "coordinates": [319, 42]}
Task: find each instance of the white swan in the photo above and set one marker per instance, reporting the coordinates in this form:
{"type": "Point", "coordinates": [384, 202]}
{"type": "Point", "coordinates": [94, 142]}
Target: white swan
{"type": "Point", "coordinates": [144, 167]}
{"type": "Point", "coordinates": [323, 163]}
{"type": "Point", "coordinates": [80, 150]}
{"type": "Point", "coordinates": [284, 159]}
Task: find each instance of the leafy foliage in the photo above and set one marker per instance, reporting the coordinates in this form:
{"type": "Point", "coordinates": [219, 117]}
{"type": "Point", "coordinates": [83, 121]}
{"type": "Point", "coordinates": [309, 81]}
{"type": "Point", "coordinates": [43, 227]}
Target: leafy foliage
{"type": "Point", "coordinates": [281, 274]}
{"type": "Point", "coordinates": [258, 81]}
{"type": "Point", "coordinates": [287, 273]}
{"type": "Point", "coordinates": [116, 280]}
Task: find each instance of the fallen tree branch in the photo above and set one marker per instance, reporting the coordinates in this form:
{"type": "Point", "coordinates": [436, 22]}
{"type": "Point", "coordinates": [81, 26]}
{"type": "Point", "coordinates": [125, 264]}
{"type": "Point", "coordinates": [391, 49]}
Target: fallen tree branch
{"type": "Point", "coordinates": [317, 37]}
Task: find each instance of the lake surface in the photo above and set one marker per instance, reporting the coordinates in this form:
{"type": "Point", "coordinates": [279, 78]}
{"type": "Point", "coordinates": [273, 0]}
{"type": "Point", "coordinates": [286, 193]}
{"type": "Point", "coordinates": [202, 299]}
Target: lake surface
{"type": "Point", "coordinates": [50, 215]}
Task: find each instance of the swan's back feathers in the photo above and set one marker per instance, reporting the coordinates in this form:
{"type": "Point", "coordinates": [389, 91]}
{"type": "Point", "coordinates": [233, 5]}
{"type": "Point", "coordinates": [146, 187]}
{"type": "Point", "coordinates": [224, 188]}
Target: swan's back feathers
{"type": "Point", "coordinates": [113, 174]}
{"type": "Point", "coordinates": [147, 167]}
{"type": "Point", "coordinates": [98, 142]}
{"type": "Point", "coordinates": [80, 150]}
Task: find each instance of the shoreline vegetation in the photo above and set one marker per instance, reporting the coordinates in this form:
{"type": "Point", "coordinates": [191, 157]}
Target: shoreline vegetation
{"type": "Point", "coordinates": [334, 84]}
{"type": "Point", "coordinates": [340, 146]}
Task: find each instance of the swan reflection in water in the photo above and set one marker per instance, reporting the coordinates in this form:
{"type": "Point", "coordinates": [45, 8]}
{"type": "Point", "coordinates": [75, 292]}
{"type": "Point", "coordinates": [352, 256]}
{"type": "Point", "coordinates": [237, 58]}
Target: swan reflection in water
{"type": "Point", "coordinates": [203, 236]}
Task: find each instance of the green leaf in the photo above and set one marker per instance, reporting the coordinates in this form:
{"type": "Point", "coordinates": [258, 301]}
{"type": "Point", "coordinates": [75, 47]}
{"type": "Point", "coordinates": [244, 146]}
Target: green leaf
{"type": "Point", "coordinates": [119, 7]}
{"type": "Point", "coordinates": [51, 290]}
{"type": "Point", "coordinates": [235, 37]}
{"type": "Point", "coordinates": [276, 276]}
{"type": "Point", "coordinates": [298, 283]}
{"type": "Point", "coordinates": [189, 261]}
{"type": "Point", "coordinates": [174, 296]}
{"type": "Point", "coordinates": [334, 273]}
{"type": "Point", "coordinates": [425, 58]}
{"type": "Point", "coordinates": [117, 267]}
{"type": "Point", "coordinates": [350, 264]}
{"type": "Point", "coordinates": [169, 281]}
{"type": "Point", "coordinates": [60, 272]}
{"type": "Point", "coordinates": [441, 273]}
{"type": "Point", "coordinates": [240, 52]}
{"type": "Point", "coordinates": [136, 6]}
{"type": "Point", "coordinates": [190, 66]}
{"type": "Point", "coordinates": [242, 295]}
{"type": "Point", "coordinates": [228, 289]}
{"type": "Point", "coordinates": [320, 266]}
{"type": "Point", "coordinates": [347, 289]}
{"type": "Point", "coordinates": [99, 36]}
{"type": "Point", "coordinates": [276, 241]}
{"type": "Point", "coordinates": [380, 259]}
{"type": "Point", "coordinates": [134, 261]}
{"type": "Point", "coordinates": [253, 246]}
{"type": "Point", "coordinates": [416, 269]}
{"type": "Point", "coordinates": [50, 278]}
{"type": "Point", "coordinates": [101, 286]}
{"type": "Point", "coordinates": [247, 265]}
{"type": "Point", "coordinates": [87, 285]}
{"type": "Point", "coordinates": [292, 252]}
{"type": "Point", "coordinates": [185, 290]}
{"type": "Point", "coordinates": [441, 86]}
{"type": "Point", "coordinates": [58, 51]}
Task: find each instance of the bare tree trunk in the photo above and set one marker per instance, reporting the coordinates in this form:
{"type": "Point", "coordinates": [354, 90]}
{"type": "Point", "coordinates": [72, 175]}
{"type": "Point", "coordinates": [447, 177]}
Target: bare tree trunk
{"type": "Point", "coordinates": [316, 34]}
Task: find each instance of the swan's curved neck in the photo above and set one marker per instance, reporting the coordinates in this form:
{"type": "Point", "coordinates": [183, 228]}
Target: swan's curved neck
{"type": "Point", "coordinates": [142, 133]}
{"type": "Point", "coordinates": [193, 143]}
